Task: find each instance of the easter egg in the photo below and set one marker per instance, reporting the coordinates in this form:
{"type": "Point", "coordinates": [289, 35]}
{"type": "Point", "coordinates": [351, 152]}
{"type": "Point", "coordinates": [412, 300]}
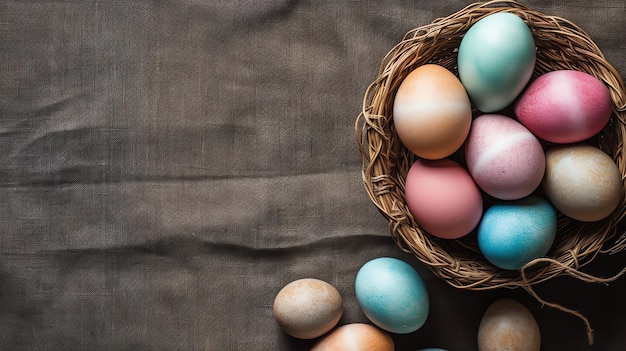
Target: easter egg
{"type": "Point", "coordinates": [443, 198]}
{"type": "Point", "coordinates": [504, 158]}
{"type": "Point", "coordinates": [496, 59]}
{"type": "Point", "coordinates": [392, 295]}
{"type": "Point", "coordinates": [582, 182]}
{"type": "Point", "coordinates": [508, 325]}
{"type": "Point", "coordinates": [355, 337]}
{"type": "Point", "coordinates": [431, 112]}
{"type": "Point", "coordinates": [307, 308]}
{"type": "Point", "coordinates": [565, 106]}
{"type": "Point", "coordinates": [513, 233]}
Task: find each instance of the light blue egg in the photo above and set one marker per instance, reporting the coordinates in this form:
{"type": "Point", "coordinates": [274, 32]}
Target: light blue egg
{"type": "Point", "coordinates": [392, 295]}
{"type": "Point", "coordinates": [496, 59]}
{"type": "Point", "coordinates": [514, 233]}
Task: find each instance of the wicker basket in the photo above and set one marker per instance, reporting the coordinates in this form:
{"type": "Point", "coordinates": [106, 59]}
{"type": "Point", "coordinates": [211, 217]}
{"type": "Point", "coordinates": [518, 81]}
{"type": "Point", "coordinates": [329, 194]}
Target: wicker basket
{"type": "Point", "coordinates": [560, 45]}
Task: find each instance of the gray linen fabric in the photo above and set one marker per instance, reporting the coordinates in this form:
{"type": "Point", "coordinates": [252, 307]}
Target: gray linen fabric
{"type": "Point", "coordinates": [168, 166]}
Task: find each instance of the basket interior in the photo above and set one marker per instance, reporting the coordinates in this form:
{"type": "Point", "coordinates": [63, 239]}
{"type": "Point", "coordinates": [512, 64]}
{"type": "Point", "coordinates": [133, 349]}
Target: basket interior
{"type": "Point", "coordinates": [560, 45]}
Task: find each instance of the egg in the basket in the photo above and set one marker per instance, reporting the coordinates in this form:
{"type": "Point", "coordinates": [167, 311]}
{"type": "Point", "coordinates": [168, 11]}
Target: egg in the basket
{"type": "Point", "coordinates": [443, 198]}
{"type": "Point", "coordinates": [432, 112]}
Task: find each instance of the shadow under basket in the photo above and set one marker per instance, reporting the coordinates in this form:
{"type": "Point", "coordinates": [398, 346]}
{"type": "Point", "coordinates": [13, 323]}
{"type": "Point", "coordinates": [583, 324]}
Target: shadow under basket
{"type": "Point", "coordinates": [560, 45]}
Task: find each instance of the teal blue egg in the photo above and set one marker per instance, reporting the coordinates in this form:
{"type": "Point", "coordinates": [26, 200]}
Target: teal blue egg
{"type": "Point", "coordinates": [514, 233]}
{"type": "Point", "coordinates": [496, 59]}
{"type": "Point", "coordinates": [392, 295]}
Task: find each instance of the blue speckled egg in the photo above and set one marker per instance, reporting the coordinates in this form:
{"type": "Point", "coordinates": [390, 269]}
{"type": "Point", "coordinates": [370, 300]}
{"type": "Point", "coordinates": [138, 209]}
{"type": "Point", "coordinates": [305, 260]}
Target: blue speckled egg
{"type": "Point", "coordinates": [392, 295]}
{"type": "Point", "coordinates": [496, 59]}
{"type": "Point", "coordinates": [514, 233]}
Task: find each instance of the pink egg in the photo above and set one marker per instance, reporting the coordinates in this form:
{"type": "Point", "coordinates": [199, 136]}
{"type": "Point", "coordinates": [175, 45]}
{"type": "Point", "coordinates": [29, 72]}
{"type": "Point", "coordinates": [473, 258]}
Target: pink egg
{"type": "Point", "coordinates": [565, 106]}
{"type": "Point", "coordinates": [505, 159]}
{"type": "Point", "coordinates": [355, 337]}
{"type": "Point", "coordinates": [443, 198]}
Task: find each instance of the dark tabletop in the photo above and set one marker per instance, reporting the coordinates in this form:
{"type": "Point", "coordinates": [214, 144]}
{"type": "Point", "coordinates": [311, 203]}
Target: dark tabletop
{"type": "Point", "coordinates": [168, 166]}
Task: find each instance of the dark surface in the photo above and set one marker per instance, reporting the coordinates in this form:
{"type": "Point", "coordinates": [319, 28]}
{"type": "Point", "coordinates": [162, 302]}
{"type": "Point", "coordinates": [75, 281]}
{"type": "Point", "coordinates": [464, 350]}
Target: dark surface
{"type": "Point", "coordinates": [168, 166]}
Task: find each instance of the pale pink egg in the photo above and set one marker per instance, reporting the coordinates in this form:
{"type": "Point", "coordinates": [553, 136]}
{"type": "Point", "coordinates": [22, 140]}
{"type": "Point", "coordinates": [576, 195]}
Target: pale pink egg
{"type": "Point", "coordinates": [355, 337]}
{"type": "Point", "coordinates": [432, 112]}
{"type": "Point", "coordinates": [565, 106]}
{"type": "Point", "coordinates": [443, 198]}
{"type": "Point", "coordinates": [505, 159]}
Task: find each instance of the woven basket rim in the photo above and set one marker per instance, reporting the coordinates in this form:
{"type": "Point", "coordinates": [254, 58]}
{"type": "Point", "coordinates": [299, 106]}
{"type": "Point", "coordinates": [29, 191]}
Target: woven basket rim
{"type": "Point", "coordinates": [561, 44]}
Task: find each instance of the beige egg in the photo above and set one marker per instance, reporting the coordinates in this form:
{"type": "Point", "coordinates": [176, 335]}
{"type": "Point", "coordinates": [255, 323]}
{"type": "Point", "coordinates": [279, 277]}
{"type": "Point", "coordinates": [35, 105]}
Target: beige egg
{"type": "Point", "coordinates": [507, 325]}
{"type": "Point", "coordinates": [432, 113]}
{"type": "Point", "coordinates": [356, 337]}
{"type": "Point", "coordinates": [582, 181]}
{"type": "Point", "coordinates": [307, 308]}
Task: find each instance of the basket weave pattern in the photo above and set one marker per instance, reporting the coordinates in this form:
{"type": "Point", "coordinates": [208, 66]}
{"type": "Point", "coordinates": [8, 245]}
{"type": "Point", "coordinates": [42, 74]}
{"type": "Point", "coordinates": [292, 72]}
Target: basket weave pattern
{"type": "Point", "coordinates": [560, 45]}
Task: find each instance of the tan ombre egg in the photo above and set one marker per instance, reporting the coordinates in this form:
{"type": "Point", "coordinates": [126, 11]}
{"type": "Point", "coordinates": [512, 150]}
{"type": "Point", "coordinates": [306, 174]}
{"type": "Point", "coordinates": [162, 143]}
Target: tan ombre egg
{"type": "Point", "coordinates": [582, 181]}
{"type": "Point", "coordinates": [307, 308]}
{"type": "Point", "coordinates": [432, 112]}
{"type": "Point", "coordinates": [507, 325]}
{"type": "Point", "coordinates": [355, 337]}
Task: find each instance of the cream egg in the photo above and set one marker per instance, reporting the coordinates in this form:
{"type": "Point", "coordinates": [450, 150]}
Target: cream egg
{"type": "Point", "coordinates": [355, 337]}
{"type": "Point", "coordinates": [432, 112]}
{"type": "Point", "coordinates": [582, 181]}
{"type": "Point", "coordinates": [307, 308]}
{"type": "Point", "coordinates": [508, 325]}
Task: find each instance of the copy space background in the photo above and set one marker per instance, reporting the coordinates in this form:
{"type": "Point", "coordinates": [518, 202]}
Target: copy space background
{"type": "Point", "coordinates": [167, 166]}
